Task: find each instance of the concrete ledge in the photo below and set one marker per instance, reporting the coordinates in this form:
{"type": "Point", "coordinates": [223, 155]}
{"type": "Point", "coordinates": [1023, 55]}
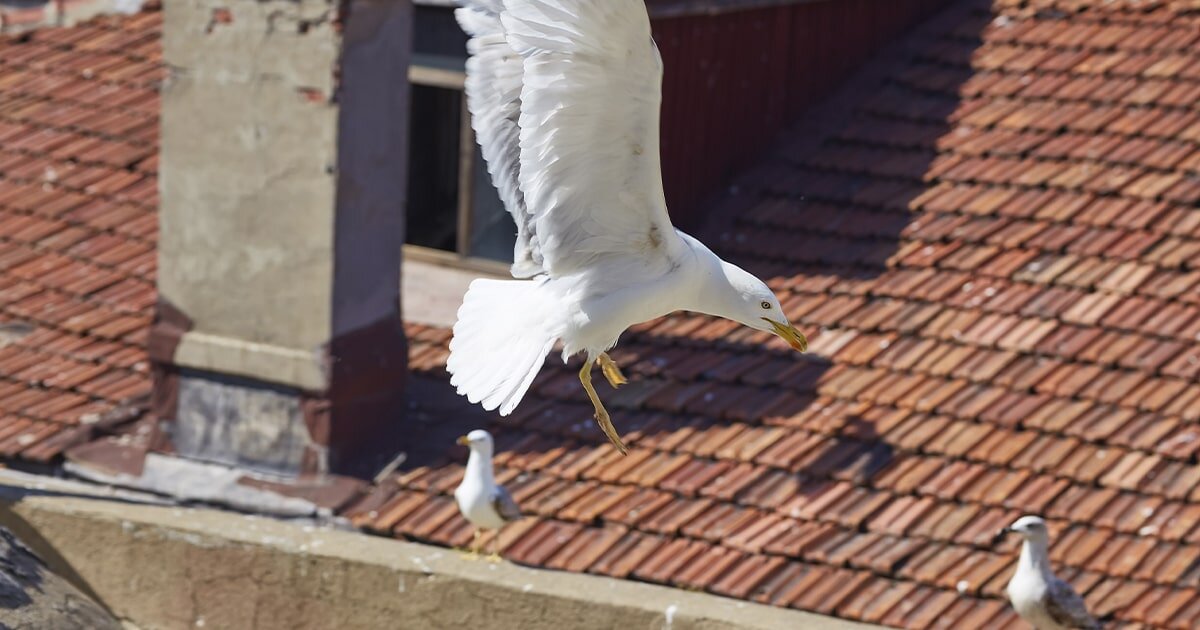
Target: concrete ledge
{"type": "Point", "coordinates": [172, 567]}
{"type": "Point", "coordinates": [433, 292]}
{"type": "Point", "coordinates": [265, 362]}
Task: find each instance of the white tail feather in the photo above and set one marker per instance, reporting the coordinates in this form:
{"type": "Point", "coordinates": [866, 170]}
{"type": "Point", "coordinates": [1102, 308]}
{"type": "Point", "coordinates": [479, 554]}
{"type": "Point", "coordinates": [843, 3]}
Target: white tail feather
{"type": "Point", "coordinates": [504, 331]}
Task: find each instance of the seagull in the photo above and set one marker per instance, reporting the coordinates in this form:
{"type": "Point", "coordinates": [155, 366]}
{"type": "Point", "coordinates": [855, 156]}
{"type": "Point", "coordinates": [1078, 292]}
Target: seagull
{"type": "Point", "coordinates": [484, 503]}
{"type": "Point", "coordinates": [564, 98]}
{"type": "Point", "coordinates": [1040, 597]}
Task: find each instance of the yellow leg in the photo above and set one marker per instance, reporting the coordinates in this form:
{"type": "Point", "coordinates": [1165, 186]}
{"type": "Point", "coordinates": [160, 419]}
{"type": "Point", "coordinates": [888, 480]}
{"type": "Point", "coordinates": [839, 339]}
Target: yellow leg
{"type": "Point", "coordinates": [473, 552]}
{"type": "Point", "coordinates": [606, 425]}
{"type": "Point", "coordinates": [495, 555]}
{"type": "Point", "coordinates": [611, 371]}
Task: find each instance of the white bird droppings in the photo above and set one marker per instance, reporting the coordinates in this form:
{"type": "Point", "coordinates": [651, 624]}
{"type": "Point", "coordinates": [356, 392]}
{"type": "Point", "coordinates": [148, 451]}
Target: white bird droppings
{"type": "Point", "coordinates": [669, 616]}
{"type": "Point", "coordinates": [422, 566]}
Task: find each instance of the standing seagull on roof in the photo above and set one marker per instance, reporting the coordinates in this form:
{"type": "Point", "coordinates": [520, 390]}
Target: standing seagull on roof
{"type": "Point", "coordinates": [1039, 596]}
{"type": "Point", "coordinates": [483, 502]}
{"type": "Point", "coordinates": [564, 97]}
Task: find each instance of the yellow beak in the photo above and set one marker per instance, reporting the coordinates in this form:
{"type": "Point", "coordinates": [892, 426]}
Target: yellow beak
{"type": "Point", "coordinates": [464, 440]}
{"type": "Point", "coordinates": [793, 337]}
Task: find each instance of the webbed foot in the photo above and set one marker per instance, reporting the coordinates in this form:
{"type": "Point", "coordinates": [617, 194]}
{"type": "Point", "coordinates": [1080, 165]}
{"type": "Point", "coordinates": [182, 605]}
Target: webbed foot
{"type": "Point", "coordinates": [611, 371]}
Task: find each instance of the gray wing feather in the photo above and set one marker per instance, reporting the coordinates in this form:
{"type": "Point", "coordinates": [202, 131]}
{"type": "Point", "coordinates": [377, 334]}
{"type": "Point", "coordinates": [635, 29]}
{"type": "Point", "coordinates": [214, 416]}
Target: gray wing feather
{"type": "Point", "coordinates": [505, 506]}
{"type": "Point", "coordinates": [1066, 607]}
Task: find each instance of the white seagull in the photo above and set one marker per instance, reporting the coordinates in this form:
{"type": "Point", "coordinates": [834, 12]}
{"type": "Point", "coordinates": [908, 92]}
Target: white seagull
{"type": "Point", "coordinates": [1040, 597]}
{"type": "Point", "coordinates": [564, 97]}
{"type": "Point", "coordinates": [484, 503]}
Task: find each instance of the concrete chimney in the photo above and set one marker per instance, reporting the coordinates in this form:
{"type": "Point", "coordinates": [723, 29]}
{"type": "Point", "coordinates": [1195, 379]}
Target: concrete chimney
{"type": "Point", "coordinates": [278, 344]}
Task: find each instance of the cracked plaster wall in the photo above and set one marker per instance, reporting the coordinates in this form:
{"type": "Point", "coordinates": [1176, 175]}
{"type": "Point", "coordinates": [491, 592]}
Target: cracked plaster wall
{"type": "Point", "coordinates": [282, 185]}
{"type": "Point", "coordinates": [249, 147]}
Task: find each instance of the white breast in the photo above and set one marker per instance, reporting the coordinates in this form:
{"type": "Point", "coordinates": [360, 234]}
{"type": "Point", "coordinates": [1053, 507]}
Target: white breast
{"type": "Point", "coordinates": [1026, 591]}
{"type": "Point", "coordinates": [597, 321]}
{"type": "Point", "coordinates": [475, 503]}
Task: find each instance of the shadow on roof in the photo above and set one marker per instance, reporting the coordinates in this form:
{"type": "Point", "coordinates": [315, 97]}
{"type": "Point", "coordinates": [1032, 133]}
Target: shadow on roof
{"type": "Point", "coordinates": [816, 212]}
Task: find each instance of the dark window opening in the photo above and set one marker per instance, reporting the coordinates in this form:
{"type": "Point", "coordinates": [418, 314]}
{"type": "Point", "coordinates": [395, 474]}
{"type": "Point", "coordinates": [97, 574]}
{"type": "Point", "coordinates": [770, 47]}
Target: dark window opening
{"type": "Point", "coordinates": [437, 32]}
{"type": "Point", "coordinates": [493, 232]}
{"type": "Point", "coordinates": [452, 205]}
{"type": "Point", "coordinates": [433, 157]}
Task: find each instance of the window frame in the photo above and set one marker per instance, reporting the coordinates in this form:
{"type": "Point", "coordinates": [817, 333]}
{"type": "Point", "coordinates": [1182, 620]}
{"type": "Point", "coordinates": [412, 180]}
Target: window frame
{"type": "Point", "coordinates": [426, 72]}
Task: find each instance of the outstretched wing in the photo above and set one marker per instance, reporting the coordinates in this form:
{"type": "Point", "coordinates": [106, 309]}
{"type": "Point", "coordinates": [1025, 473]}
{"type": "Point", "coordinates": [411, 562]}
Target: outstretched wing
{"type": "Point", "coordinates": [493, 90]}
{"type": "Point", "coordinates": [589, 184]}
{"type": "Point", "coordinates": [504, 504]}
{"type": "Point", "coordinates": [1066, 607]}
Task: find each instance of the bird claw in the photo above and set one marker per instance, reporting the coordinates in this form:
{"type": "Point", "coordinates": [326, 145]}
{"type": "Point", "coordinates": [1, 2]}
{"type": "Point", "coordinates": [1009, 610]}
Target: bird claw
{"type": "Point", "coordinates": [606, 425]}
{"type": "Point", "coordinates": [611, 371]}
{"type": "Point", "coordinates": [494, 557]}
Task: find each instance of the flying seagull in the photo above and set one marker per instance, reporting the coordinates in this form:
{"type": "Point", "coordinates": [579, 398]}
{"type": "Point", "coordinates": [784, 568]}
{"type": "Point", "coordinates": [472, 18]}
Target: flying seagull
{"type": "Point", "coordinates": [484, 503]}
{"type": "Point", "coordinates": [1040, 597]}
{"type": "Point", "coordinates": [564, 97]}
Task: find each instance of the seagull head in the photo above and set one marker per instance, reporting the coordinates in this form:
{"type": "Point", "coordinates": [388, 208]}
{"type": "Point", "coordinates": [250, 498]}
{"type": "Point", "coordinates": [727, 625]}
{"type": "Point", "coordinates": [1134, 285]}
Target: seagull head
{"type": "Point", "coordinates": [1031, 528]}
{"type": "Point", "coordinates": [479, 441]}
{"type": "Point", "coordinates": [755, 305]}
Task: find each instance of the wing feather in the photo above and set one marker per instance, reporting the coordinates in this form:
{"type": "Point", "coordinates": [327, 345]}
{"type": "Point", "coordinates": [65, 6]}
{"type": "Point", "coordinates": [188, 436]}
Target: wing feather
{"type": "Point", "coordinates": [493, 89]}
{"type": "Point", "coordinates": [1066, 607]}
{"type": "Point", "coordinates": [588, 172]}
{"type": "Point", "coordinates": [504, 504]}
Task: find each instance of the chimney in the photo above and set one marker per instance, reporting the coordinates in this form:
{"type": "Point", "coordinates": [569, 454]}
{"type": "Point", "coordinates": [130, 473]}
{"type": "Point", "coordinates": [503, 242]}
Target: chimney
{"type": "Point", "coordinates": [278, 344]}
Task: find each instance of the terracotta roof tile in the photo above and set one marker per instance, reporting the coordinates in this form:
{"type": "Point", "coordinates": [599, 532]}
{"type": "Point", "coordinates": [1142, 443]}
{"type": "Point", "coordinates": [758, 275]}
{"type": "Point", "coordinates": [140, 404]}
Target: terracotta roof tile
{"type": "Point", "coordinates": [67, 236]}
{"type": "Point", "coordinates": [995, 253]}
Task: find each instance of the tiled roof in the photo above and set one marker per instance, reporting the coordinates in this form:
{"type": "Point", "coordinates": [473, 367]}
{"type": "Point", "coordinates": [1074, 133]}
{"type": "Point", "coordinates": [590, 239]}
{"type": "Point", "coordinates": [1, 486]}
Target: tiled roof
{"type": "Point", "coordinates": [78, 227]}
{"type": "Point", "coordinates": [995, 247]}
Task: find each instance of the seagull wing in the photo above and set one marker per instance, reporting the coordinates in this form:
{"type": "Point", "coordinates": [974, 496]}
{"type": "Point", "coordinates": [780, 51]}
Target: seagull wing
{"type": "Point", "coordinates": [1066, 607]}
{"type": "Point", "coordinates": [589, 184]}
{"type": "Point", "coordinates": [493, 90]}
{"type": "Point", "coordinates": [504, 504]}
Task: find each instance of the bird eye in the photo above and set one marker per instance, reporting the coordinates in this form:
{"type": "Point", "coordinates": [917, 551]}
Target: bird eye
{"type": "Point", "coordinates": [766, 305]}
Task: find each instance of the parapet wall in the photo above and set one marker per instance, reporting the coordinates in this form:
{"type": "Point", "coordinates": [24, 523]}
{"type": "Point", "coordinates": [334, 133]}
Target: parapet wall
{"type": "Point", "coordinates": [167, 567]}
